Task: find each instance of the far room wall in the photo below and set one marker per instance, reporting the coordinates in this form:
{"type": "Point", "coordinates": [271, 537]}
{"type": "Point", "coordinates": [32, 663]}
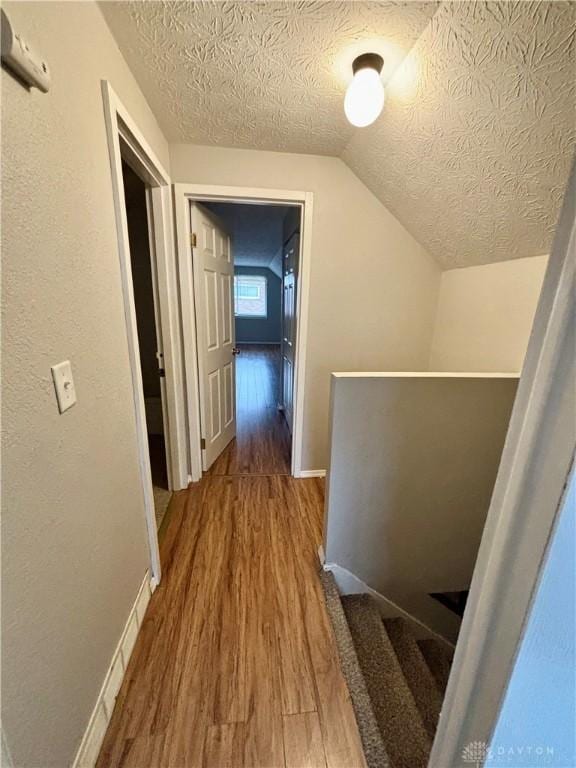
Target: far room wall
{"type": "Point", "coordinates": [485, 314]}
{"type": "Point", "coordinates": [262, 330]}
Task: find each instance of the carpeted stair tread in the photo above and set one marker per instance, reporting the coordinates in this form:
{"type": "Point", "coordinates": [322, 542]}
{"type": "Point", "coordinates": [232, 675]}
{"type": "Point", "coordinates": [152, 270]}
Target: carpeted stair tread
{"type": "Point", "coordinates": [417, 673]}
{"type": "Point", "coordinates": [439, 661]}
{"type": "Point", "coordinates": [372, 742]}
{"type": "Point", "coordinates": [405, 737]}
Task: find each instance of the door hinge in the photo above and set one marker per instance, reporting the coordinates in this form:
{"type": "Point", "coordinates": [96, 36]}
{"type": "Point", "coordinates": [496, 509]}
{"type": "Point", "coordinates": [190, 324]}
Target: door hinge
{"type": "Point", "coordinates": [202, 443]}
{"type": "Point", "coordinates": [193, 239]}
{"type": "Point", "coordinates": [162, 373]}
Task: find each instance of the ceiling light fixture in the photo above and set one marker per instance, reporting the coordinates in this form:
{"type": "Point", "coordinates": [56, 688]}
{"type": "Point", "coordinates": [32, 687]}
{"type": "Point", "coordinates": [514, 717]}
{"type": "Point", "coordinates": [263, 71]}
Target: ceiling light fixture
{"type": "Point", "coordinates": [365, 95]}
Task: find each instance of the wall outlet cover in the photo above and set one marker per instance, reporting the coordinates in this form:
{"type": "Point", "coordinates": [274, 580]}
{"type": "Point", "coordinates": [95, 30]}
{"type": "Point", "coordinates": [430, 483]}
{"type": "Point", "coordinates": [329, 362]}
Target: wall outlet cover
{"type": "Point", "coordinates": [64, 385]}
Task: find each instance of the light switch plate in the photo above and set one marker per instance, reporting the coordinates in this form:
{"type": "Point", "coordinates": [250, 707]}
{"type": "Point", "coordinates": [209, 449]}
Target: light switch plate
{"type": "Point", "coordinates": [64, 385]}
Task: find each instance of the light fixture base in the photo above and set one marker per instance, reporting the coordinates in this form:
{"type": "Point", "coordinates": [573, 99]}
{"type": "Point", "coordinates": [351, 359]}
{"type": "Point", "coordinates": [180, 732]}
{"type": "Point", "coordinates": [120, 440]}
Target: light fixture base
{"type": "Point", "coordinates": [368, 61]}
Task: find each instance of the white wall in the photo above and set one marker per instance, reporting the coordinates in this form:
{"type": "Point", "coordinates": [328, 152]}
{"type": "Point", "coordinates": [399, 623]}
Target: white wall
{"type": "Point", "coordinates": [485, 315]}
{"type": "Point", "coordinates": [412, 466]}
{"type": "Point", "coordinates": [536, 723]}
{"type": "Point", "coordinates": [74, 549]}
{"type": "Point", "coordinates": [373, 287]}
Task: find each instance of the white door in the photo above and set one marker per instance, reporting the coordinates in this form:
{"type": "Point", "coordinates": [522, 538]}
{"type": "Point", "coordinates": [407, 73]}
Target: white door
{"type": "Point", "coordinates": [213, 268]}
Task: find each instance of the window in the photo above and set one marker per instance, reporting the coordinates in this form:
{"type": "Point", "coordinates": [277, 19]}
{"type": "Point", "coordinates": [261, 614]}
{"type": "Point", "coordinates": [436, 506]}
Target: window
{"type": "Point", "coordinates": [250, 296]}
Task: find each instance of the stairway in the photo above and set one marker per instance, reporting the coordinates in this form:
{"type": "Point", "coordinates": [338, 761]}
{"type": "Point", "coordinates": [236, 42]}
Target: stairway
{"type": "Point", "coordinates": [396, 682]}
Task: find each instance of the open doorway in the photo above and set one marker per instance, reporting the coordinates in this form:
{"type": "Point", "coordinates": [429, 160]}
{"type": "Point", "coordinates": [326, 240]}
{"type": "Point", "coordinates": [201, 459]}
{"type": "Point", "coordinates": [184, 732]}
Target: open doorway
{"type": "Point", "coordinates": [149, 337]}
{"type": "Point", "coordinates": [256, 327]}
{"type": "Point", "coordinates": [127, 145]}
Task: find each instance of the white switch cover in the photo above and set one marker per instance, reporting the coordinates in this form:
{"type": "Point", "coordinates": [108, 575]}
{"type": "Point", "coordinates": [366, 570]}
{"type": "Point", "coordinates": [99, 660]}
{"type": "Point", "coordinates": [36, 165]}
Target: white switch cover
{"type": "Point", "coordinates": [64, 385]}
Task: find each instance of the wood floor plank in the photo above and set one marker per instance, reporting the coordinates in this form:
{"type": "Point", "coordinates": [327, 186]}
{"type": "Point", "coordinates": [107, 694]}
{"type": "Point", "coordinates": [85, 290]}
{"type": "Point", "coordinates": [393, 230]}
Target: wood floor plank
{"type": "Point", "coordinates": [264, 741]}
{"type": "Point", "coordinates": [147, 750]}
{"type": "Point", "coordinates": [263, 745]}
{"type": "Point", "coordinates": [297, 682]}
{"type": "Point", "coordinates": [224, 746]}
{"type": "Point", "coordinates": [262, 445]}
{"type": "Point", "coordinates": [303, 745]}
{"type": "Point", "coordinates": [197, 651]}
{"type": "Point", "coordinates": [230, 699]}
{"type": "Point", "coordinates": [342, 743]}
{"type": "Point", "coordinates": [236, 636]}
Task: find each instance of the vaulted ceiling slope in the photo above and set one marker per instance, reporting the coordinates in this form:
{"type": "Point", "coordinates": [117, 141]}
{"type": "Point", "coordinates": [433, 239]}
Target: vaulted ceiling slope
{"type": "Point", "coordinates": [473, 148]}
{"type": "Point", "coordinates": [256, 230]}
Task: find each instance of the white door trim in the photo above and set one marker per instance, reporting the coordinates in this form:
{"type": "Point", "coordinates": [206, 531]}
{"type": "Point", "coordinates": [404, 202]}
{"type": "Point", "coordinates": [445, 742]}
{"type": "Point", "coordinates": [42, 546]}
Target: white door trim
{"type": "Point", "coordinates": [121, 127]}
{"type": "Point", "coordinates": [183, 194]}
{"type": "Point", "coordinates": [534, 468]}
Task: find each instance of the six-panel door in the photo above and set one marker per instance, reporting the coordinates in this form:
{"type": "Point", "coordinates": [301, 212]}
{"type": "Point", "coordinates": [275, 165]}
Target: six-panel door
{"type": "Point", "coordinates": [213, 268]}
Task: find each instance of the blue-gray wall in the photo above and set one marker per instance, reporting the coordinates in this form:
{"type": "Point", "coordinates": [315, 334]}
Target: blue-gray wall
{"type": "Point", "coordinates": [262, 330]}
{"type": "Point", "coordinates": [536, 724]}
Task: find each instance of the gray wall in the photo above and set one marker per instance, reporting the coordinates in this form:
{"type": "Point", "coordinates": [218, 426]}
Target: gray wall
{"type": "Point", "coordinates": [413, 460]}
{"type": "Point", "coordinates": [485, 314]}
{"type": "Point", "coordinates": [259, 329]}
{"type": "Point", "coordinates": [74, 548]}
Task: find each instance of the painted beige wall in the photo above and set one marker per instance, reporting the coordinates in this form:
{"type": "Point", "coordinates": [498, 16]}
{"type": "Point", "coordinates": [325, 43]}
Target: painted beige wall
{"type": "Point", "coordinates": [485, 315]}
{"type": "Point", "coordinates": [412, 467]}
{"type": "Point", "coordinates": [373, 288]}
{"type": "Point", "coordinates": [74, 548]}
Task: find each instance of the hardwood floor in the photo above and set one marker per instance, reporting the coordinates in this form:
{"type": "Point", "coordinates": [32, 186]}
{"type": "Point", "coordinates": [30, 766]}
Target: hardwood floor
{"type": "Point", "coordinates": [263, 444]}
{"type": "Point", "coordinates": [236, 665]}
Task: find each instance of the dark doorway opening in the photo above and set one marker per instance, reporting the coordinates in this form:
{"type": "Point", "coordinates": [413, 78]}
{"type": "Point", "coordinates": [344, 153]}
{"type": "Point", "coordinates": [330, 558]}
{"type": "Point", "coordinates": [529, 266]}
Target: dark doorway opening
{"type": "Point", "coordinates": [146, 318]}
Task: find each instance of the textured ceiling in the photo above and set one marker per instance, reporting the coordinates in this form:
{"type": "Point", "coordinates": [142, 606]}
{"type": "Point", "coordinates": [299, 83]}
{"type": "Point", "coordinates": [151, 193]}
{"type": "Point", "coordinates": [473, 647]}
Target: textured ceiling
{"type": "Point", "coordinates": [269, 75]}
{"type": "Point", "coordinates": [474, 145]}
{"type": "Point", "coordinates": [256, 231]}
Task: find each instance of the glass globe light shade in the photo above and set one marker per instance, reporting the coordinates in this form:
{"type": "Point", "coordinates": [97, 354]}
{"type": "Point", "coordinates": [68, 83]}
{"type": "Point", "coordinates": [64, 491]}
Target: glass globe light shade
{"type": "Point", "coordinates": [364, 98]}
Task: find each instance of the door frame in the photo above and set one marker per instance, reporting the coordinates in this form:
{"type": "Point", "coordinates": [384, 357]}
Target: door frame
{"type": "Point", "coordinates": [183, 195]}
{"type": "Point", "coordinates": [125, 140]}
{"type": "Point", "coordinates": [526, 502]}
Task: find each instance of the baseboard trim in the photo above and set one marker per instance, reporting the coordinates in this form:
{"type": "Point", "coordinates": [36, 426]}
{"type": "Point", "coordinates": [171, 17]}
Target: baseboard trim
{"type": "Point", "coordinates": [312, 473]}
{"type": "Point", "coordinates": [94, 735]}
{"type": "Point", "coordinates": [6, 758]}
{"type": "Point", "coordinates": [349, 584]}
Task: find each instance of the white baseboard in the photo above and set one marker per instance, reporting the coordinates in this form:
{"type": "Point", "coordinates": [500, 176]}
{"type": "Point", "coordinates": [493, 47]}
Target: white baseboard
{"type": "Point", "coordinates": [349, 584]}
{"type": "Point", "coordinates": [312, 473]}
{"type": "Point", "coordinates": [6, 759]}
{"type": "Point", "coordinates": [94, 735]}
